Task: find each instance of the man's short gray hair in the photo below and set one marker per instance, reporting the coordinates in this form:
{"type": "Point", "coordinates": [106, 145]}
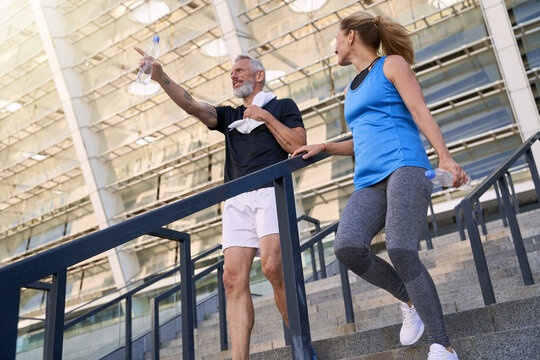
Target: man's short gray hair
{"type": "Point", "coordinates": [255, 63]}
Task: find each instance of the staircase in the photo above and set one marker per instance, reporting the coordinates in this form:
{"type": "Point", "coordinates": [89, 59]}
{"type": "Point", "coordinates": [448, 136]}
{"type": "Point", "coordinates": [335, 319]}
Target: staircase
{"type": "Point", "coordinates": [509, 329]}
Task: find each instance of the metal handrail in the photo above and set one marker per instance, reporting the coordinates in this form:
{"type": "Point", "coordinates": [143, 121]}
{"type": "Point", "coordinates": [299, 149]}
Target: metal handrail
{"type": "Point", "coordinates": [66, 255]}
{"type": "Point", "coordinates": [147, 280]}
{"type": "Point", "coordinates": [132, 292]}
{"type": "Point", "coordinates": [154, 306]}
{"type": "Point", "coordinates": [57, 260]}
{"type": "Point", "coordinates": [316, 238]}
{"type": "Point", "coordinates": [332, 227]}
{"type": "Point", "coordinates": [317, 224]}
{"type": "Point", "coordinates": [500, 179]}
{"type": "Point", "coordinates": [343, 271]}
{"type": "Point", "coordinates": [480, 189]}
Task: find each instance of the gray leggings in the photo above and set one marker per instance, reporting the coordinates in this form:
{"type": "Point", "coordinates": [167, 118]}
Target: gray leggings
{"type": "Point", "coordinates": [399, 204]}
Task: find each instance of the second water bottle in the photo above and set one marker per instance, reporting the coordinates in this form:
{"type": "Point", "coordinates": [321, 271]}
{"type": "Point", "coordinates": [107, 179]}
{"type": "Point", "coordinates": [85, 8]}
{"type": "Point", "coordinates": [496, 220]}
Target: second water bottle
{"type": "Point", "coordinates": [446, 178]}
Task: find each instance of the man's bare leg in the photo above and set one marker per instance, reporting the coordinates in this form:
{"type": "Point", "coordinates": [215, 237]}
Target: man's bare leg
{"type": "Point", "coordinates": [273, 270]}
{"type": "Point", "coordinates": [238, 261]}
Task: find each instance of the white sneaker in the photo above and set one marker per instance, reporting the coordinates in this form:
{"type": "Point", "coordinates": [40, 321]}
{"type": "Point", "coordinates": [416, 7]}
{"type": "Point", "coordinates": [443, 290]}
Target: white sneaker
{"type": "Point", "coordinates": [412, 328]}
{"type": "Point", "coordinates": [439, 352]}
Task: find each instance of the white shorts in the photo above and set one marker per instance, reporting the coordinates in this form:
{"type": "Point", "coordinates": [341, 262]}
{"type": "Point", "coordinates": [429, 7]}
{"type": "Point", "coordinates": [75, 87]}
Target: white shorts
{"type": "Point", "coordinates": [248, 217]}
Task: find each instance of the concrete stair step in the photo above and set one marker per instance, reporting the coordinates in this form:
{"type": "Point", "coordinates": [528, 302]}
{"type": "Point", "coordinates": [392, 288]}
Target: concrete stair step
{"type": "Point", "coordinates": [452, 268]}
{"type": "Point", "coordinates": [501, 247]}
{"type": "Point", "coordinates": [369, 318]}
{"type": "Point", "coordinates": [453, 247]}
{"type": "Point", "coordinates": [390, 314]}
{"type": "Point", "coordinates": [502, 345]}
{"type": "Point", "coordinates": [450, 265]}
{"type": "Point", "coordinates": [465, 327]}
{"type": "Point", "coordinates": [383, 311]}
{"type": "Point", "coordinates": [502, 265]}
{"type": "Point", "coordinates": [365, 321]}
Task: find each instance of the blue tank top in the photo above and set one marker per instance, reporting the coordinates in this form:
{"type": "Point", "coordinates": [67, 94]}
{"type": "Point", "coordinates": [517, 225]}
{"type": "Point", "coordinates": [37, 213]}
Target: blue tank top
{"type": "Point", "coordinates": [384, 134]}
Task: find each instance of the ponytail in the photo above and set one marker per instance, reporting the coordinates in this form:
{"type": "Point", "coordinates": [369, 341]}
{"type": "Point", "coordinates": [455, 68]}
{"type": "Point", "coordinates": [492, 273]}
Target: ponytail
{"type": "Point", "coordinates": [380, 32]}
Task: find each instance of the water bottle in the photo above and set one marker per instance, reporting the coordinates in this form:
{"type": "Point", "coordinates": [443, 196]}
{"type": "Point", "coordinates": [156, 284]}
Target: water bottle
{"type": "Point", "coordinates": [145, 72]}
{"type": "Point", "coordinates": [446, 178]}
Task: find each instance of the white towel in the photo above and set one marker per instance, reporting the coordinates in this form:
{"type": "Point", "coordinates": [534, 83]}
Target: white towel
{"type": "Point", "coordinates": [245, 126]}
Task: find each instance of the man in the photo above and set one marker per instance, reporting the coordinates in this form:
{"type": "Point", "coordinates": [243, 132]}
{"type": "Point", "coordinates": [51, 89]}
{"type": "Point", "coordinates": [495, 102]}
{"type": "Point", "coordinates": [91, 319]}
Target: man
{"type": "Point", "coordinates": [259, 133]}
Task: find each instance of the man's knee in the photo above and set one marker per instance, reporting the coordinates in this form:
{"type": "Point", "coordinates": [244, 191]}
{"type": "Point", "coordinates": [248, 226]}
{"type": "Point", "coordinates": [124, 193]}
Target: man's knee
{"type": "Point", "coordinates": [272, 269]}
{"type": "Point", "coordinates": [228, 280]}
{"type": "Point", "coordinates": [233, 281]}
{"type": "Point", "coordinates": [271, 259]}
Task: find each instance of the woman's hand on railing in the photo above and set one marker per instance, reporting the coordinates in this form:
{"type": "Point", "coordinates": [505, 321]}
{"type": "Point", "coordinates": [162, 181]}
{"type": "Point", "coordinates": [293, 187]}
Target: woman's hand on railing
{"type": "Point", "coordinates": [449, 164]}
{"type": "Point", "coordinates": [309, 150]}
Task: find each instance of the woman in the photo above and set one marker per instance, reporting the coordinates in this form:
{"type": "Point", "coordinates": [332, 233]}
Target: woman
{"type": "Point", "coordinates": [385, 107]}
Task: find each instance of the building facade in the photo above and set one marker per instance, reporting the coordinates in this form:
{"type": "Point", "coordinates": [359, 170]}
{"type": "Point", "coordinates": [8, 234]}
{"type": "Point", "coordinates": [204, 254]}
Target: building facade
{"type": "Point", "coordinates": [83, 147]}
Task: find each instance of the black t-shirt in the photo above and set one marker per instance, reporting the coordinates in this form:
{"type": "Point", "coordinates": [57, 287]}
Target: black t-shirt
{"type": "Point", "coordinates": [246, 153]}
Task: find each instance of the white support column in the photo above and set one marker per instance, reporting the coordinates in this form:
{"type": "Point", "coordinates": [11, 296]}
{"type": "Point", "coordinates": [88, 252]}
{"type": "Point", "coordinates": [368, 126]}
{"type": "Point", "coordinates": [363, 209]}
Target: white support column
{"type": "Point", "coordinates": [231, 28]}
{"type": "Point", "coordinates": [511, 66]}
{"type": "Point", "coordinates": [52, 29]}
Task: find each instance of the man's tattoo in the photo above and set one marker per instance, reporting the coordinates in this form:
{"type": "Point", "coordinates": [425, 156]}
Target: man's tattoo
{"type": "Point", "coordinates": [166, 81]}
{"type": "Point", "coordinates": [211, 109]}
{"type": "Point", "coordinates": [281, 139]}
{"type": "Point", "coordinates": [187, 96]}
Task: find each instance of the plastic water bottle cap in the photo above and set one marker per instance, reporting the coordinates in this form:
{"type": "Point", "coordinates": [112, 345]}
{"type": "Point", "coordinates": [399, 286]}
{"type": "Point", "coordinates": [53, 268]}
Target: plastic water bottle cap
{"type": "Point", "coordinates": [155, 38]}
{"type": "Point", "coordinates": [430, 174]}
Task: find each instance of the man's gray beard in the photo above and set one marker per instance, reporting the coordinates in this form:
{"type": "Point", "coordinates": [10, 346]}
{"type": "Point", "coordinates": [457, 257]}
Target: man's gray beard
{"type": "Point", "coordinates": [244, 90]}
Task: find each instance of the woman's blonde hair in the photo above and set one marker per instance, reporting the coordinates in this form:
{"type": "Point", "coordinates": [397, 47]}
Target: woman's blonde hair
{"type": "Point", "coordinates": [380, 32]}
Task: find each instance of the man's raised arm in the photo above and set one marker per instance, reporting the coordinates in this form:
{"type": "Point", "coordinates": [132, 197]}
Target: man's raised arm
{"type": "Point", "coordinates": [206, 113]}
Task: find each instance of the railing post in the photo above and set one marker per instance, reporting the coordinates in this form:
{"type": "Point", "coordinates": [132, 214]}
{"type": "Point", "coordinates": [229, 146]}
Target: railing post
{"type": "Point", "coordinates": [154, 323]}
{"type": "Point", "coordinates": [54, 323]}
{"type": "Point", "coordinates": [194, 296]}
{"type": "Point", "coordinates": [9, 313]}
{"type": "Point", "coordinates": [478, 253]}
{"type": "Point", "coordinates": [433, 219]}
{"type": "Point", "coordinates": [322, 262]}
{"type": "Point", "coordinates": [514, 196]}
{"type": "Point", "coordinates": [501, 205]}
{"type": "Point", "coordinates": [128, 352]}
{"type": "Point", "coordinates": [480, 212]}
{"type": "Point", "coordinates": [188, 341]}
{"type": "Point", "coordinates": [346, 289]}
{"type": "Point", "coordinates": [287, 334]}
{"type": "Point", "coordinates": [313, 263]}
{"type": "Point", "coordinates": [534, 172]}
{"type": "Point", "coordinates": [516, 234]}
{"type": "Point", "coordinates": [429, 244]}
{"type": "Point", "coordinates": [222, 310]}
{"type": "Point", "coordinates": [314, 221]}
{"type": "Point", "coordinates": [459, 222]}
{"type": "Point", "coordinates": [320, 248]}
{"type": "Point", "coordinates": [186, 288]}
{"type": "Point", "coordinates": [292, 266]}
